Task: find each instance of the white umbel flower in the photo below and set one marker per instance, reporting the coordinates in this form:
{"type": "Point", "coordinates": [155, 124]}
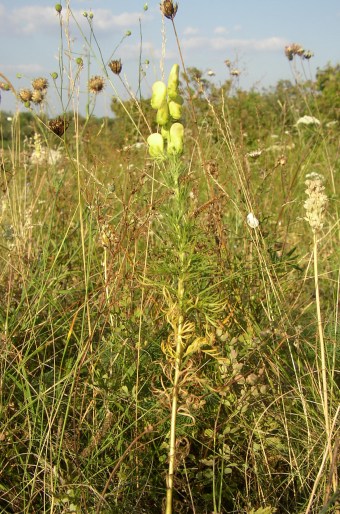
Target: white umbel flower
{"type": "Point", "coordinates": [252, 220]}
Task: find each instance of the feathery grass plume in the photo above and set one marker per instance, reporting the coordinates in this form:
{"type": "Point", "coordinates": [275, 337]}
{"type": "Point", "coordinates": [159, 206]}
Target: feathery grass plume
{"type": "Point", "coordinates": [116, 66]}
{"type": "Point", "coordinates": [316, 202]}
{"type": "Point", "coordinates": [96, 84]}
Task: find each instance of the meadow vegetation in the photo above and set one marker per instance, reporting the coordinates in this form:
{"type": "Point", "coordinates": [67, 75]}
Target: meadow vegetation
{"type": "Point", "coordinates": [171, 322]}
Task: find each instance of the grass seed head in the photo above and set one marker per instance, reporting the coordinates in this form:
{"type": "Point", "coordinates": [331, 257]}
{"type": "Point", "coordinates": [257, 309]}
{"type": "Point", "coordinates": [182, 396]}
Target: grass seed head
{"type": "Point", "coordinates": [96, 84]}
{"type": "Point", "coordinates": [116, 66]}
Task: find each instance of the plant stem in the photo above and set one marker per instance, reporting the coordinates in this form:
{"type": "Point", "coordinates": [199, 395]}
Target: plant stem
{"type": "Point", "coordinates": [324, 394]}
{"type": "Point", "coordinates": [178, 362]}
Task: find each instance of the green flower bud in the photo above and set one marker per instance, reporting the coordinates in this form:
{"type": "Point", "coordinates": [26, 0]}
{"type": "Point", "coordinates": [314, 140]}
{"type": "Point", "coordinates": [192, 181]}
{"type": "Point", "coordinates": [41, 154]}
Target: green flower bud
{"type": "Point", "coordinates": [165, 131]}
{"type": "Point", "coordinates": [158, 94]}
{"type": "Point", "coordinates": [80, 62]}
{"type": "Point", "coordinates": [175, 144]}
{"type": "Point", "coordinates": [156, 145]}
{"type": "Point", "coordinates": [58, 8]}
{"type": "Point", "coordinates": [145, 7]}
{"type": "Point", "coordinates": [175, 110]}
{"type": "Point", "coordinates": [163, 115]}
{"type": "Point", "coordinates": [128, 33]}
{"type": "Point", "coordinates": [173, 82]}
{"type": "Point", "coordinates": [54, 75]}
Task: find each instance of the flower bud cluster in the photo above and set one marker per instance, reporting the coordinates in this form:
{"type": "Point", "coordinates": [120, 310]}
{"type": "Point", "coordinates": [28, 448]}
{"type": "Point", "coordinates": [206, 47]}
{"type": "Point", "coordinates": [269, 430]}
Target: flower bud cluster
{"type": "Point", "coordinates": [168, 103]}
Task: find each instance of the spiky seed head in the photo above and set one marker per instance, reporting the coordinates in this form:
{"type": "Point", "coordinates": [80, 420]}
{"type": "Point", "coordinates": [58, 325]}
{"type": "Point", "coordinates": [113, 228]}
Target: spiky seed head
{"type": "Point", "coordinates": [38, 96]}
{"type": "Point", "coordinates": [169, 9]}
{"type": "Point", "coordinates": [96, 84]}
{"type": "Point", "coordinates": [40, 84]}
{"type": "Point", "coordinates": [25, 95]}
{"type": "Point", "coordinates": [307, 54]}
{"type": "Point", "coordinates": [58, 125]}
{"type": "Point", "coordinates": [116, 66]}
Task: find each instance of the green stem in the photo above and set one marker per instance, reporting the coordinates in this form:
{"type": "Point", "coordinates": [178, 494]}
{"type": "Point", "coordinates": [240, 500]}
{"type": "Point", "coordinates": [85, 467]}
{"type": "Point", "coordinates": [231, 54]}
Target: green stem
{"type": "Point", "coordinates": [178, 363]}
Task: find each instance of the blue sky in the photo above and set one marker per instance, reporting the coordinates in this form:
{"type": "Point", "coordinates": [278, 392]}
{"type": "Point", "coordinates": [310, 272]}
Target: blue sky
{"type": "Point", "coordinates": [252, 34]}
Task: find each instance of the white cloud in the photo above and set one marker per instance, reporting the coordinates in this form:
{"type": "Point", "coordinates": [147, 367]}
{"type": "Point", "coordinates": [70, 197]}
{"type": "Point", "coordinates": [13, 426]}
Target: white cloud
{"type": "Point", "coordinates": [150, 51]}
{"type": "Point", "coordinates": [220, 30]}
{"type": "Point", "coordinates": [35, 19]}
{"type": "Point", "coordinates": [222, 43]}
{"type": "Point", "coordinates": [190, 31]}
{"type": "Point", "coordinates": [22, 68]}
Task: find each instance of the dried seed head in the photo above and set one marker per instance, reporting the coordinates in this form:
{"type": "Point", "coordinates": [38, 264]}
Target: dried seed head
{"type": "Point", "coordinates": [40, 84]}
{"type": "Point", "coordinates": [96, 84]}
{"type": "Point", "coordinates": [38, 96]}
{"type": "Point", "coordinates": [169, 9]}
{"type": "Point", "coordinates": [4, 86]}
{"type": "Point", "coordinates": [58, 126]}
{"type": "Point", "coordinates": [307, 54]}
{"type": "Point", "coordinates": [316, 202]}
{"type": "Point", "coordinates": [25, 95]}
{"type": "Point", "coordinates": [293, 49]}
{"type": "Point", "coordinates": [116, 66]}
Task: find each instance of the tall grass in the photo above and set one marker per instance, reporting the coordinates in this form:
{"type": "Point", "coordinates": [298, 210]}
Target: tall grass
{"type": "Point", "coordinates": [159, 353]}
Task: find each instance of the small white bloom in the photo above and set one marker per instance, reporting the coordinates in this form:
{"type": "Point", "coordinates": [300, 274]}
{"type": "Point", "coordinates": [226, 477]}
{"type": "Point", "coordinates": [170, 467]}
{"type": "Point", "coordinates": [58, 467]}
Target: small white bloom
{"type": "Point", "coordinates": [307, 120]}
{"type": "Point", "coordinates": [211, 73]}
{"type": "Point", "coordinates": [254, 154]}
{"type": "Point", "coordinates": [252, 221]}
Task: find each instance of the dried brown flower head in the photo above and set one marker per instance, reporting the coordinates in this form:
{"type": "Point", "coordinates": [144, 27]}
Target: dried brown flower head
{"type": "Point", "coordinates": [38, 96]}
{"type": "Point", "coordinates": [40, 83]}
{"type": "Point", "coordinates": [116, 66]}
{"type": "Point", "coordinates": [58, 125]}
{"type": "Point", "coordinates": [169, 9]}
{"type": "Point", "coordinates": [294, 49]}
{"type": "Point", "coordinates": [25, 95]}
{"type": "Point", "coordinates": [96, 84]}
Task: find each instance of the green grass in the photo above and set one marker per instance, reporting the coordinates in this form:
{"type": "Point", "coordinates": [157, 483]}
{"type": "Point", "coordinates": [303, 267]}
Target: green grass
{"type": "Point", "coordinates": [110, 258]}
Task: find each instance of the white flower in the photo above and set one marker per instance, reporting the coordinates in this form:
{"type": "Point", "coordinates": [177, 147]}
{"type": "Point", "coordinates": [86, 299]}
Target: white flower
{"type": "Point", "coordinates": [252, 221]}
{"type": "Point", "coordinates": [255, 154]}
{"type": "Point", "coordinates": [307, 120]}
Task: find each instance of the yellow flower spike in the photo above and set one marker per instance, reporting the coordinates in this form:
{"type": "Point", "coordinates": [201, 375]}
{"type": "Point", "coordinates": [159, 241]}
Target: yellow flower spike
{"type": "Point", "coordinates": [163, 115]}
{"type": "Point", "coordinates": [175, 143]}
{"type": "Point", "coordinates": [156, 145]}
{"type": "Point", "coordinates": [175, 110]}
{"type": "Point", "coordinates": [173, 82]}
{"type": "Point", "coordinates": [158, 94]}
